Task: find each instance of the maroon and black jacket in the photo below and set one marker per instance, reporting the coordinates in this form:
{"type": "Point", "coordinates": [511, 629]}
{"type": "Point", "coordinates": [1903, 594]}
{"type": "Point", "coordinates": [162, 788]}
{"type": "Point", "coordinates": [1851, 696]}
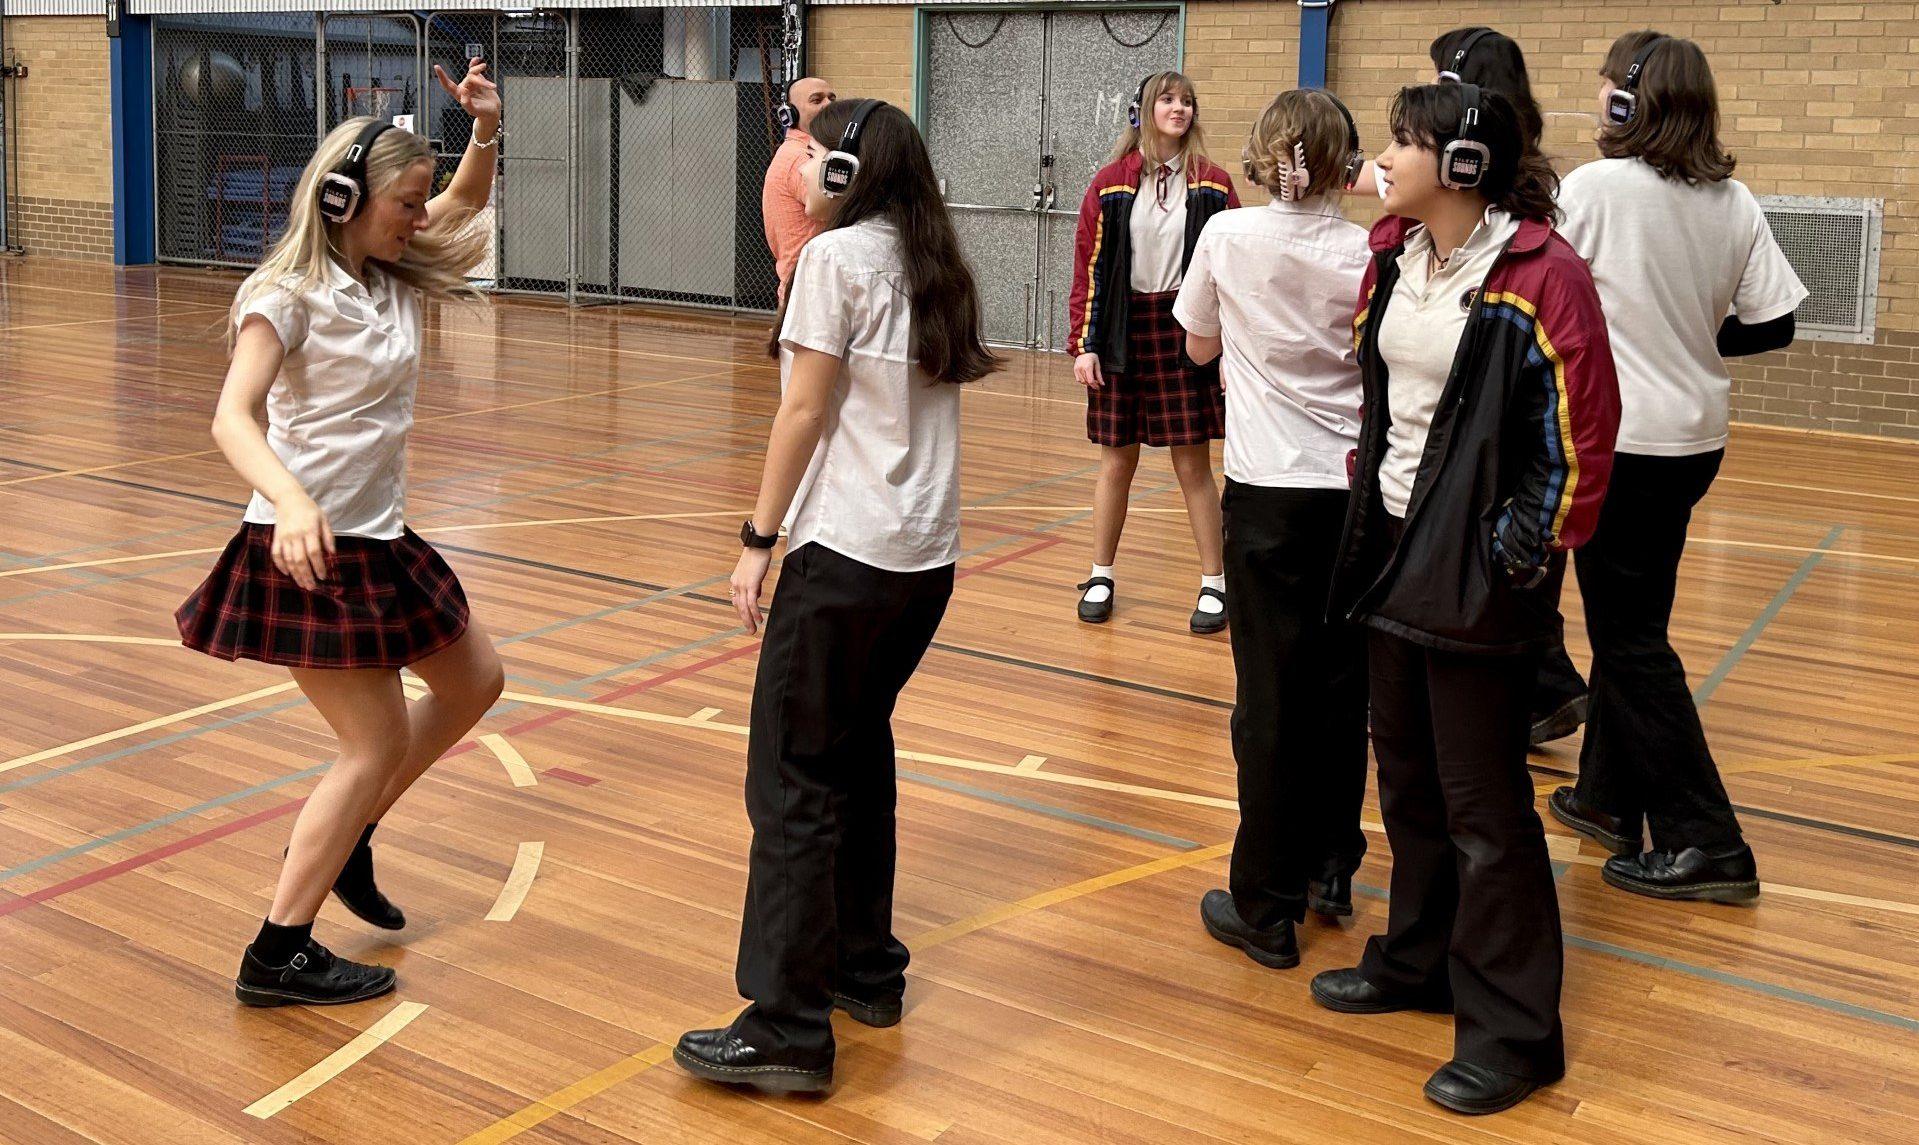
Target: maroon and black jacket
{"type": "Point", "coordinates": [1516, 461]}
{"type": "Point", "coordinates": [1096, 311]}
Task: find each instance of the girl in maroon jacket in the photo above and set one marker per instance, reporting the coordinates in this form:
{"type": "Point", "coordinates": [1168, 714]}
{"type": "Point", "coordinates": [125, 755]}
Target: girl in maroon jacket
{"type": "Point", "coordinates": [1137, 227]}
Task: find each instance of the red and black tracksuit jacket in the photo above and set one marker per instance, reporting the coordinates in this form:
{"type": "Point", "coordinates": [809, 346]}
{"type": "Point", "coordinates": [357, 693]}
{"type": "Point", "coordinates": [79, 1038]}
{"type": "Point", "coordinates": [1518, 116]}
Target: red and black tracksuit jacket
{"type": "Point", "coordinates": [1515, 465]}
{"type": "Point", "coordinates": [1096, 310]}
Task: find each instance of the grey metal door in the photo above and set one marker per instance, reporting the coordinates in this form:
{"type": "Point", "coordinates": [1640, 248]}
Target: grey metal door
{"type": "Point", "coordinates": [1021, 108]}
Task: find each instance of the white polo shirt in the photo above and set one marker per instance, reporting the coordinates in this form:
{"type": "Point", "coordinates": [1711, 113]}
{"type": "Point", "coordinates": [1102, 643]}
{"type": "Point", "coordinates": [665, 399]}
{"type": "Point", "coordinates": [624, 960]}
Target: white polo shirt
{"type": "Point", "coordinates": [1672, 260]}
{"type": "Point", "coordinates": [1158, 230]}
{"type": "Point", "coordinates": [339, 411]}
{"type": "Point", "coordinates": [1276, 284]}
{"type": "Point", "coordinates": [883, 486]}
{"type": "Point", "coordinates": [1418, 338]}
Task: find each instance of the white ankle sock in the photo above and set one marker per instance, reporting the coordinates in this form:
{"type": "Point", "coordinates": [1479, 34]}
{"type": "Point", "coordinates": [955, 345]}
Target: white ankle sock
{"type": "Point", "coordinates": [1212, 605]}
{"type": "Point", "coordinates": [1099, 593]}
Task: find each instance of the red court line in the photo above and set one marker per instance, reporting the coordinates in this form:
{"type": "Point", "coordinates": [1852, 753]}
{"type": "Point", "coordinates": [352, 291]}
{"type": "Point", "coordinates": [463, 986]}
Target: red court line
{"type": "Point", "coordinates": [80, 882]}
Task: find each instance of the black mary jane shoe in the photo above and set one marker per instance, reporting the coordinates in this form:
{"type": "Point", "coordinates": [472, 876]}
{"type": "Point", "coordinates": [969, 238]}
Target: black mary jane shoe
{"type": "Point", "coordinates": [1206, 623]}
{"type": "Point", "coordinates": [1096, 612]}
{"type": "Point", "coordinates": [723, 1056]}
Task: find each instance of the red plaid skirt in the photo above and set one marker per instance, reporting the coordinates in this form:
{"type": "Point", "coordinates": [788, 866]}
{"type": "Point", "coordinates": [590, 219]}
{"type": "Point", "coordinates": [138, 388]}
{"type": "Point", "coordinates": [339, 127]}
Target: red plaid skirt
{"type": "Point", "coordinates": [1157, 401]}
{"type": "Point", "coordinates": [387, 604]}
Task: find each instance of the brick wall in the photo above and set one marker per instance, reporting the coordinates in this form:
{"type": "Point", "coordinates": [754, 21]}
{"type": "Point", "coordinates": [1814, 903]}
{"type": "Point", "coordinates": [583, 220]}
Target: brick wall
{"type": "Point", "coordinates": [863, 50]}
{"type": "Point", "coordinates": [63, 199]}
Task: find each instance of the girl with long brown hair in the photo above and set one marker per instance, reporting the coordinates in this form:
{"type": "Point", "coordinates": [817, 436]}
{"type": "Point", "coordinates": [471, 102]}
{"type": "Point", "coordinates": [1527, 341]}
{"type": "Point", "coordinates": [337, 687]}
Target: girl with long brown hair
{"type": "Point", "coordinates": [1138, 225]}
{"type": "Point", "coordinates": [880, 328]}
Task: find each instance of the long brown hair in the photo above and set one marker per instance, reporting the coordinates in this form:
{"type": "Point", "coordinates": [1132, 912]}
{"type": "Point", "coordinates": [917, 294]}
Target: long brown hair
{"type": "Point", "coordinates": [1495, 63]}
{"type": "Point", "coordinates": [1675, 128]}
{"type": "Point", "coordinates": [1147, 136]}
{"type": "Point", "coordinates": [1518, 181]}
{"type": "Point", "coordinates": [896, 182]}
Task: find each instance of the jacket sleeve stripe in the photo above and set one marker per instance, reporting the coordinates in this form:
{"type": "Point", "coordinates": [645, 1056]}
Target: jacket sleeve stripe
{"type": "Point", "coordinates": [1092, 281]}
{"type": "Point", "coordinates": [1563, 482]}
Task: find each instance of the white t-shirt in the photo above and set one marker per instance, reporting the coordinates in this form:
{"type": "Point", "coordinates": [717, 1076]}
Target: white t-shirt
{"type": "Point", "coordinates": [1671, 261]}
{"type": "Point", "coordinates": [339, 411]}
{"type": "Point", "coordinates": [1418, 338]}
{"type": "Point", "coordinates": [883, 486]}
{"type": "Point", "coordinates": [1158, 230]}
{"type": "Point", "coordinates": [1277, 285]}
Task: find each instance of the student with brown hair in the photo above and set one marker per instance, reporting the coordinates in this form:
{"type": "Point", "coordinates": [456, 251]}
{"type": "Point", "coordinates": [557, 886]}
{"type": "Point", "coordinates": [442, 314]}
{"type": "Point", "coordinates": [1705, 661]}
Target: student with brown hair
{"type": "Point", "coordinates": [1690, 275]}
{"type": "Point", "coordinates": [1138, 225]}
{"type": "Point", "coordinates": [1268, 295]}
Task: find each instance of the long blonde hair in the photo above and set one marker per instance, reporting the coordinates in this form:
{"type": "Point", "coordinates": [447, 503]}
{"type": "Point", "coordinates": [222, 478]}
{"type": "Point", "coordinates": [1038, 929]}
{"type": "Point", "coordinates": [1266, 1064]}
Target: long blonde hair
{"type": "Point", "coordinates": [1148, 137]}
{"type": "Point", "coordinates": [436, 259]}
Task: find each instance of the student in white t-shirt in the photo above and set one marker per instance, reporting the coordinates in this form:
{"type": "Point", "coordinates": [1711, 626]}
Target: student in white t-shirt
{"type": "Point", "coordinates": [1689, 275]}
{"type": "Point", "coordinates": [324, 578]}
{"type": "Point", "coordinates": [1269, 295]}
{"type": "Point", "coordinates": [880, 325]}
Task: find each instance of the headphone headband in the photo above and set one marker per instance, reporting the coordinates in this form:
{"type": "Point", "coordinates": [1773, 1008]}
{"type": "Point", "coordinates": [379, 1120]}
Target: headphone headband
{"type": "Point", "coordinates": [1355, 154]}
{"type": "Point", "coordinates": [843, 162]}
{"type": "Point", "coordinates": [1623, 104]}
{"type": "Point", "coordinates": [1639, 62]}
{"type": "Point", "coordinates": [344, 188]}
{"type": "Point", "coordinates": [1456, 73]}
{"type": "Point", "coordinates": [1465, 160]}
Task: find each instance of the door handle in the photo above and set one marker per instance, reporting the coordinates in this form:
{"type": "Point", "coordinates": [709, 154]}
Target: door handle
{"type": "Point", "coordinates": [1039, 193]}
{"type": "Point", "coordinates": [1052, 193]}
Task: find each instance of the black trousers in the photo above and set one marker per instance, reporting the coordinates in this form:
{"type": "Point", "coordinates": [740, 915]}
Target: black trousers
{"type": "Point", "coordinates": [1645, 753]}
{"type": "Point", "coordinates": [841, 641]}
{"type": "Point", "coordinates": [1299, 717]}
{"type": "Point", "coordinates": [1473, 911]}
{"type": "Point", "coordinates": [1558, 682]}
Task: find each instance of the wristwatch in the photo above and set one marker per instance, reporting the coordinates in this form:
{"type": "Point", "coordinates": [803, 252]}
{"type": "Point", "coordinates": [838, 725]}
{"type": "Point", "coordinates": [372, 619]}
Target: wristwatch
{"type": "Point", "coordinates": [751, 538]}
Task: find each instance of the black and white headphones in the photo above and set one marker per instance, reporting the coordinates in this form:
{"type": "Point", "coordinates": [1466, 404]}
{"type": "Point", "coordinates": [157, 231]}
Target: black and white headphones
{"type": "Point", "coordinates": [1623, 103]}
{"type": "Point", "coordinates": [1134, 110]}
{"type": "Point", "coordinates": [343, 189]}
{"type": "Point", "coordinates": [1355, 154]}
{"type": "Point", "coordinates": [843, 162]}
{"type": "Point", "coordinates": [1463, 164]}
{"type": "Point", "coordinates": [1455, 71]}
{"type": "Point", "coordinates": [787, 115]}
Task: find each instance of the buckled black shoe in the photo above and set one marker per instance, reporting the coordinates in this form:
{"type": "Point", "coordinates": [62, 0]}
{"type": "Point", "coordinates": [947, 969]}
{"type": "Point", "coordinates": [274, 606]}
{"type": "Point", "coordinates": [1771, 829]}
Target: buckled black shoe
{"type": "Point", "coordinates": [1206, 623]}
{"type": "Point", "coordinates": [723, 1056]}
{"type": "Point", "coordinates": [1331, 897]}
{"type": "Point", "coordinates": [878, 1012]}
{"type": "Point", "coordinates": [315, 977]}
{"type": "Point", "coordinates": [1096, 612]}
{"type": "Point", "coordinates": [355, 889]}
{"type": "Point", "coordinates": [1562, 721]}
{"type": "Point", "coordinates": [1691, 875]}
{"type": "Point", "coordinates": [1609, 831]}
{"type": "Point", "coordinates": [1348, 992]}
{"type": "Point", "coordinates": [1473, 1089]}
{"type": "Point", "coordinates": [1277, 949]}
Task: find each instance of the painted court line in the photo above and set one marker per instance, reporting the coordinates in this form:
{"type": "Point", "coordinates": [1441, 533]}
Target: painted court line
{"type": "Point", "coordinates": [336, 1063]}
{"type": "Point", "coordinates": [632, 1066]}
{"type": "Point", "coordinates": [1766, 616]}
{"type": "Point", "coordinates": [149, 725]}
{"type": "Point", "coordinates": [526, 864]}
{"type": "Point", "coordinates": [510, 758]}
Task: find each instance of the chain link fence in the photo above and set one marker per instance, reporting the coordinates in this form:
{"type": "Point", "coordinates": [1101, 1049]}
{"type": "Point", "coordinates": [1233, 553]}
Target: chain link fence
{"type": "Point", "coordinates": [637, 137]}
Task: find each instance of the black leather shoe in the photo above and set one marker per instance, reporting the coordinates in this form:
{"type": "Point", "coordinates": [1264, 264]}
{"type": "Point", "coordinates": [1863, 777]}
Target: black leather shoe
{"type": "Point", "coordinates": [1691, 875]}
{"type": "Point", "coordinates": [1561, 722]}
{"type": "Point", "coordinates": [315, 977]}
{"type": "Point", "coordinates": [1331, 897]}
{"type": "Point", "coordinates": [1277, 948]}
{"type": "Point", "coordinates": [1473, 1089]}
{"type": "Point", "coordinates": [879, 1012]}
{"type": "Point", "coordinates": [1206, 623]}
{"type": "Point", "coordinates": [356, 891]}
{"type": "Point", "coordinates": [1609, 831]}
{"type": "Point", "coordinates": [1348, 992]}
{"type": "Point", "coordinates": [1101, 612]}
{"type": "Point", "coordinates": [722, 1056]}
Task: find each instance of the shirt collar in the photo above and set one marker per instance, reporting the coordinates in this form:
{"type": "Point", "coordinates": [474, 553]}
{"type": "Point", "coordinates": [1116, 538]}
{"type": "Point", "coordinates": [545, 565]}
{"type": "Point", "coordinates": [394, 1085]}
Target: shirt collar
{"type": "Point", "coordinates": [1317, 205]}
{"type": "Point", "coordinates": [798, 135]}
{"type": "Point", "coordinates": [1176, 164]}
{"type": "Point", "coordinates": [1494, 228]}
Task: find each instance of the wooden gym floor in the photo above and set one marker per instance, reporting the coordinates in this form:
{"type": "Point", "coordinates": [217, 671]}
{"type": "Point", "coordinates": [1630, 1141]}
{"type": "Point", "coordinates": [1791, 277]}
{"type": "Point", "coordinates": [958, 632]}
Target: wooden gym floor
{"type": "Point", "coordinates": [574, 874]}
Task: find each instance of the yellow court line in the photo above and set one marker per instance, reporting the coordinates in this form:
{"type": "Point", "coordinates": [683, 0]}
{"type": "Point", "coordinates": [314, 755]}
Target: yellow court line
{"type": "Point", "coordinates": [104, 561]}
{"type": "Point", "coordinates": [105, 468]}
{"type": "Point", "coordinates": [1819, 489]}
{"type": "Point", "coordinates": [1783, 765]}
{"type": "Point", "coordinates": [510, 758]}
{"type": "Point", "coordinates": [100, 321]}
{"type": "Point", "coordinates": [149, 725]}
{"type": "Point", "coordinates": [335, 1063]}
{"type": "Point", "coordinates": [526, 864]}
{"type": "Point", "coordinates": [562, 1100]}
{"type": "Point", "coordinates": [1854, 553]}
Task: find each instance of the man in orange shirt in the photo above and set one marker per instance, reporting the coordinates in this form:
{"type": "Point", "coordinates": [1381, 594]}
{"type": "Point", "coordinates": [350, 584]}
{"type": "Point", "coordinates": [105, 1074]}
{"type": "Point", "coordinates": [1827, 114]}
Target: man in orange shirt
{"type": "Point", "coordinates": [782, 203]}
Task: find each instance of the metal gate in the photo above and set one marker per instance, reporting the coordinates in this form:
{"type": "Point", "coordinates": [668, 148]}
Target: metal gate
{"type": "Point", "coordinates": [1020, 108]}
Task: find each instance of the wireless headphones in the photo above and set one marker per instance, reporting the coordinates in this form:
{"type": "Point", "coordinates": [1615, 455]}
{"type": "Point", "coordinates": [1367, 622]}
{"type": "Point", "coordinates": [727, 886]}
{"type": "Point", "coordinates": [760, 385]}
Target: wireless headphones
{"type": "Point", "coordinates": [787, 115]}
{"type": "Point", "coordinates": [343, 189]}
{"type": "Point", "coordinates": [1464, 162]}
{"type": "Point", "coordinates": [1456, 72]}
{"type": "Point", "coordinates": [843, 162]}
{"type": "Point", "coordinates": [1623, 103]}
{"type": "Point", "coordinates": [1134, 110]}
{"type": "Point", "coordinates": [1355, 155]}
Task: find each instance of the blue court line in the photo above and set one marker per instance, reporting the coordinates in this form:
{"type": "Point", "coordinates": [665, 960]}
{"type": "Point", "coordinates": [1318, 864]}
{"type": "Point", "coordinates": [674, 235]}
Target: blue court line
{"type": "Point", "coordinates": [1032, 485]}
{"type": "Point", "coordinates": [1766, 616]}
{"type": "Point", "coordinates": [1065, 813]}
{"type": "Point", "coordinates": [1661, 962]}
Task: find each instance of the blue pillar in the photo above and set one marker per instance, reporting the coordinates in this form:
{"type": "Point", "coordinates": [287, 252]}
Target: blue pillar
{"type": "Point", "coordinates": [1315, 23]}
{"type": "Point", "coordinates": [131, 99]}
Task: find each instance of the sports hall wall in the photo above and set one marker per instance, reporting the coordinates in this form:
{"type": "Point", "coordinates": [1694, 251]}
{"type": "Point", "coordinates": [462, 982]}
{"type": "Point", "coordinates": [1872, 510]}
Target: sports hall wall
{"type": "Point", "coordinates": [1816, 97]}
